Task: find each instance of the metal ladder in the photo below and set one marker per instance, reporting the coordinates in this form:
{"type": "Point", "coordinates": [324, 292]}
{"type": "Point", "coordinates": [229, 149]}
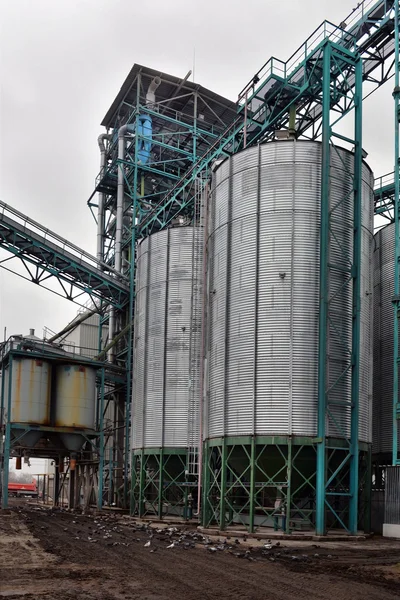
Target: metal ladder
{"type": "Point", "coordinates": [195, 333]}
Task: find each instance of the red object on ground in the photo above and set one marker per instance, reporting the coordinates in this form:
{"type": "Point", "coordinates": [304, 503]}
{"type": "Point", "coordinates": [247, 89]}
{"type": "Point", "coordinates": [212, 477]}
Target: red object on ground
{"type": "Point", "coordinates": [22, 489]}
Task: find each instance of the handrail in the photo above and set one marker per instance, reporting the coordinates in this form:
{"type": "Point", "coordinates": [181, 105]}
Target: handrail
{"type": "Point", "coordinates": [384, 180]}
{"type": "Point", "coordinates": [326, 30]}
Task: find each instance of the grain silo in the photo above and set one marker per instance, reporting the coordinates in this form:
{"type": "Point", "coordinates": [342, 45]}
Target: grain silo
{"type": "Point", "coordinates": [383, 265]}
{"type": "Point", "coordinates": [263, 324]}
{"type": "Point", "coordinates": [166, 370]}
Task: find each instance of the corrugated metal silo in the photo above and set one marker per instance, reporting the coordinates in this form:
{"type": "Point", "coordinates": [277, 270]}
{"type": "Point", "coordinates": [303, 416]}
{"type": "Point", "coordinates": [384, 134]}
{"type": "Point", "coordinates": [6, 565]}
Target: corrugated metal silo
{"type": "Point", "coordinates": [167, 351]}
{"type": "Point", "coordinates": [264, 292]}
{"type": "Point", "coordinates": [383, 265]}
{"type": "Point", "coordinates": [263, 332]}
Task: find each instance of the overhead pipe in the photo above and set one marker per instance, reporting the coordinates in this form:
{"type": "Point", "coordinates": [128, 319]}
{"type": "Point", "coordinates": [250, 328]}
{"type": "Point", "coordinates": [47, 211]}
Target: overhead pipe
{"type": "Point", "coordinates": [128, 128]}
{"type": "Point", "coordinates": [73, 325]}
{"type": "Point", "coordinates": [144, 129]}
{"type": "Point", "coordinates": [119, 222]}
{"type": "Point", "coordinates": [101, 211]}
{"type": "Point", "coordinates": [151, 90]}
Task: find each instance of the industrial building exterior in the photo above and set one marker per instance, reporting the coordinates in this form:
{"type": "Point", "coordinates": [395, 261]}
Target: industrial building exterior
{"type": "Point", "coordinates": [239, 303]}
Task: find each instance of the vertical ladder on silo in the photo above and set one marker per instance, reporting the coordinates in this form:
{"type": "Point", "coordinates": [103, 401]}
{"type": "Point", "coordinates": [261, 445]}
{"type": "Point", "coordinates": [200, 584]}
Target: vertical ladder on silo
{"type": "Point", "coordinates": [195, 335]}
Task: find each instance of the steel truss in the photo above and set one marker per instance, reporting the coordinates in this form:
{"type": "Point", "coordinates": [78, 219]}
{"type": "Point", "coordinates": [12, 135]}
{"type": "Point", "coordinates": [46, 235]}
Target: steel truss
{"type": "Point", "coordinates": [48, 258]}
{"type": "Point", "coordinates": [270, 481]}
{"type": "Point", "coordinates": [264, 105]}
{"type": "Point", "coordinates": [161, 485]}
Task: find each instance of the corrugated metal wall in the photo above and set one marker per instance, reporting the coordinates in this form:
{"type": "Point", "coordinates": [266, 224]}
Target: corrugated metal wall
{"type": "Point", "coordinates": [264, 292]}
{"type": "Point", "coordinates": [84, 339]}
{"type": "Point", "coordinates": [392, 496]}
{"type": "Point", "coordinates": [167, 340]}
{"type": "Point", "coordinates": [383, 341]}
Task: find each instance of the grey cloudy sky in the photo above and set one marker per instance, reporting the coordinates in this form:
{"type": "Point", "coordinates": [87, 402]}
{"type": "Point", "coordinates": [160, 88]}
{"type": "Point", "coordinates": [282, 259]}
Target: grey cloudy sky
{"type": "Point", "coordinates": [63, 62]}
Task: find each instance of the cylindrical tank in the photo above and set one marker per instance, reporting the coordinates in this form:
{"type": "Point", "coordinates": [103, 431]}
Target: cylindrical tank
{"type": "Point", "coordinates": [263, 291]}
{"type": "Point", "coordinates": [75, 396]}
{"type": "Point", "coordinates": [167, 339]}
{"type": "Point", "coordinates": [383, 264]}
{"type": "Point", "coordinates": [30, 391]}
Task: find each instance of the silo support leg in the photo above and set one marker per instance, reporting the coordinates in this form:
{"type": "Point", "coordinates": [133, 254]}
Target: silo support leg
{"type": "Point", "coordinates": [133, 485]}
{"type": "Point", "coordinates": [206, 486]}
{"type": "Point", "coordinates": [288, 490]}
{"type": "Point", "coordinates": [141, 485]}
{"type": "Point", "coordinates": [4, 497]}
{"type": "Point", "coordinates": [71, 498]}
{"type": "Point", "coordinates": [252, 484]}
{"type": "Point", "coordinates": [222, 507]}
{"type": "Point", "coordinates": [160, 485]}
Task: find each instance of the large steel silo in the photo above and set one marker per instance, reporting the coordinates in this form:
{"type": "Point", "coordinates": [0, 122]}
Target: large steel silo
{"type": "Point", "coordinates": [383, 265]}
{"type": "Point", "coordinates": [30, 395]}
{"type": "Point", "coordinates": [75, 402]}
{"type": "Point", "coordinates": [166, 359]}
{"type": "Point", "coordinates": [263, 316]}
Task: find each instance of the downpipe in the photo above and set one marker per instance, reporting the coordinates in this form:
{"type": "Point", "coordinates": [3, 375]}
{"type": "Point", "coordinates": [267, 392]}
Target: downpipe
{"type": "Point", "coordinates": [101, 212]}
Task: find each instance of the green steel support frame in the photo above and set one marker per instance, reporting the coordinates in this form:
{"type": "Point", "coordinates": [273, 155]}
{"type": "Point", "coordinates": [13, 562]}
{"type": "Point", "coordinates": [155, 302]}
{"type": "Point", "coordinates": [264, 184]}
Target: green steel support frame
{"type": "Point", "coordinates": [396, 298]}
{"type": "Point", "coordinates": [329, 323]}
{"type": "Point", "coordinates": [264, 481]}
{"type": "Point", "coordinates": [160, 484]}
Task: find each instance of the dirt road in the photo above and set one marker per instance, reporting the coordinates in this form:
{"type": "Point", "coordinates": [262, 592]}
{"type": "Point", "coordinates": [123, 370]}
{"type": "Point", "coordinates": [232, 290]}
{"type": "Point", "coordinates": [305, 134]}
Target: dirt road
{"type": "Point", "coordinates": [61, 556]}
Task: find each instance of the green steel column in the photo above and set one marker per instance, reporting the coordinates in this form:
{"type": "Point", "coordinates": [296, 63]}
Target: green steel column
{"type": "Point", "coordinates": [206, 484]}
{"type": "Point", "coordinates": [222, 503]}
{"type": "Point", "coordinates": [110, 476]}
{"type": "Point", "coordinates": [368, 492]}
{"type": "Point", "coordinates": [252, 483]}
{"type": "Point", "coordinates": [289, 485]}
{"type": "Point", "coordinates": [132, 273]}
{"type": "Point", "coordinates": [141, 484]}
{"type": "Point", "coordinates": [2, 420]}
{"type": "Point", "coordinates": [324, 291]}
{"type": "Point", "coordinates": [101, 444]}
{"type": "Point", "coordinates": [356, 322]}
{"type": "Point", "coordinates": [160, 483]}
{"type": "Point", "coordinates": [133, 484]}
{"type": "Point", "coordinates": [7, 441]}
{"type": "Point", "coordinates": [396, 95]}
{"type": "Point", "coordinates": [2, 428]}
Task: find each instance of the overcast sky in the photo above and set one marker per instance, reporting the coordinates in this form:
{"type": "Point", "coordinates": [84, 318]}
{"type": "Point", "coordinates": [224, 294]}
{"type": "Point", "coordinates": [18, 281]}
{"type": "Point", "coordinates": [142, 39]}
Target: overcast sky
{"type": "Point", "coordinates": [62, 64]}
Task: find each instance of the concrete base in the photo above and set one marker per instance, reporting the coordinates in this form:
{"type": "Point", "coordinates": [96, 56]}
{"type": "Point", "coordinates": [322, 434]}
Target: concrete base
{"type": "Point", "coordinates": [391, 531]}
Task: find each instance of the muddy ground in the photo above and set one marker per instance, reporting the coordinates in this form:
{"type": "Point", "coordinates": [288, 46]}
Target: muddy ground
{"type": "Point", "coordinates": [60, 555]}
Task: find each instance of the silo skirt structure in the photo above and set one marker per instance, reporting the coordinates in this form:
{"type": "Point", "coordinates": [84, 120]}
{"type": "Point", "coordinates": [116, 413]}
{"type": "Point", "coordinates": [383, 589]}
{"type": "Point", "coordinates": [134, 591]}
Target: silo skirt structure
{"type": "Point", "coordinates": [261, 428]}
{"type": "Point", "coordinates": [165, 407]}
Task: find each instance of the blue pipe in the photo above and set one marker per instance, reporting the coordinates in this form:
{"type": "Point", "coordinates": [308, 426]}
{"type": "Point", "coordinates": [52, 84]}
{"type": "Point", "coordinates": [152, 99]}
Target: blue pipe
{"type": "Point", "coordinates": [145, 129]}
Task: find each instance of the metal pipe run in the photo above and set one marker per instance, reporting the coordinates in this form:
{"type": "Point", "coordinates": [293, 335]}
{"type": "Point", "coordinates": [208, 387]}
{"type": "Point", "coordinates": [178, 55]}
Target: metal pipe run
{"type": "Point", "coordinates": [73, 325]}
{"type": "Point", "coordinates": [151, 91]}
{"type": "Point", "coordinates": [100, 212]}
{"type": "Point", "coordinates": [120, 194]}
{"type": "Point", "coordinates": [127, 128]}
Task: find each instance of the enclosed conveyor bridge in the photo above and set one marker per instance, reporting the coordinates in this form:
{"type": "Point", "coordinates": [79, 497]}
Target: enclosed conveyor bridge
{"type": "Point", "coordinates": [46, 257]}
